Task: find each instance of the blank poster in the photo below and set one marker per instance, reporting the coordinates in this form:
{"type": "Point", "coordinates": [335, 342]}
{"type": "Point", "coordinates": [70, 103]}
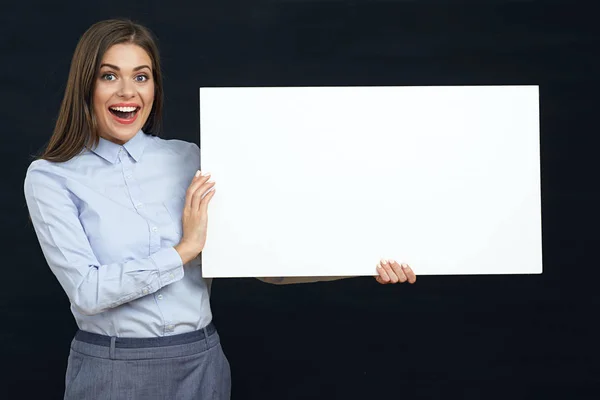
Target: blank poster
{"type": "Point", "coordinates": [326, 181]}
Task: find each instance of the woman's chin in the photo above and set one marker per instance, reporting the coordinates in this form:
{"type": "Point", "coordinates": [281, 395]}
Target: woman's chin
{"type": "Point", "coordinates": [120, 135]}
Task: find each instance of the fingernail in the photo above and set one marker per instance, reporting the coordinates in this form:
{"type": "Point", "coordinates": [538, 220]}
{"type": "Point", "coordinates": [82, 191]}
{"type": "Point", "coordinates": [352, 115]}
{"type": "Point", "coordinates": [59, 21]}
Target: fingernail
{"type": "Point", "coordinates": [404, 266]}
{"type": "Point", "coordinates": [197, 173]}
{"type": "Point", "coordinates": [207, 192]}
{"type": "Point", "coordinates": [384, 262]}
{"type": "Point", "coordinates": [379, 267]}
{"type": "Point", "coordinates": [205, 173]}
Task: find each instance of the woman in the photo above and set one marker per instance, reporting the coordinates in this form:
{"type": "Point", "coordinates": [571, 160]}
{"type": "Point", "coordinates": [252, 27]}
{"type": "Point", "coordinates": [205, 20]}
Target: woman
{"type": "Point", "coordinates": [122, 245]}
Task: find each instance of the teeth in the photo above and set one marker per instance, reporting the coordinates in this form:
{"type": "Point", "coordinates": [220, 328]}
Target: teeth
{"type": "Point", "coordinates": [124, 109]}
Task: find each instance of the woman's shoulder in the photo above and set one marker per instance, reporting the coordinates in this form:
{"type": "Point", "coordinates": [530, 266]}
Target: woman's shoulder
{"type": "Point", "coordinates": [178, 154]}
{"type": "Point", "coordinates": [178, 146]}
{"type": "Point", "coordinates": [40, 167]}
{"type": "Point", "coordinates": [41, 171]}
{"type": "Point", "coordinates": [42, 174]}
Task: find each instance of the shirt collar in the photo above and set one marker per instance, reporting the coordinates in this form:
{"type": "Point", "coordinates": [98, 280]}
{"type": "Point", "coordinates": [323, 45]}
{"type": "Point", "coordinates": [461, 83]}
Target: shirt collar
{"type": "Point", "coordinates": [110, 151]}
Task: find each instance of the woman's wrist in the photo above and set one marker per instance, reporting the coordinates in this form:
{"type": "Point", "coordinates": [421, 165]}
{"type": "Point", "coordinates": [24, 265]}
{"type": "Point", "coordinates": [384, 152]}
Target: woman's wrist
{"type": "Point", "coordinates": [186, 252]}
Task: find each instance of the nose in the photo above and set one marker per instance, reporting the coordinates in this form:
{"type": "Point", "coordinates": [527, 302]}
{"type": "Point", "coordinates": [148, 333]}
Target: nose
{"type": "Point", "coordinates": [126, 89]}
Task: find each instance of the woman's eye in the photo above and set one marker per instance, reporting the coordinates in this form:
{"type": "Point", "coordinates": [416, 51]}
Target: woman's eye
{"type": "Point", "coordinates": [109, 77]}
{"type": "Point", "coordinates": [141, 78]}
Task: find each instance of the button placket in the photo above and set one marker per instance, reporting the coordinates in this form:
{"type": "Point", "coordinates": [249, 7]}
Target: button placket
{"type": "Point", "coordinates": [136, 196]}
{"type": "Point", "coordinates": [129, 181]}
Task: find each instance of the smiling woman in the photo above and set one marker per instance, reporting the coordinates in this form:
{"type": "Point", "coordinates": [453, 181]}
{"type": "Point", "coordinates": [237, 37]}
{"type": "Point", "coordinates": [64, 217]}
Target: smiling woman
{"type": "Point", "coordinates": [126, 255]}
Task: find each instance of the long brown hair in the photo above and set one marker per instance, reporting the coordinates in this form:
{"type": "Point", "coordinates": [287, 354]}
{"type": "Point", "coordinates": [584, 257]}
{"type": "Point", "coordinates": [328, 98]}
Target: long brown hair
{"type": "Point", "coordinates": [76, 126]}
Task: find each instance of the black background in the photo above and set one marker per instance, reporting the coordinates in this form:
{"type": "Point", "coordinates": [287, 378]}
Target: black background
{"type": "Point", "coordinates": [464, 337]}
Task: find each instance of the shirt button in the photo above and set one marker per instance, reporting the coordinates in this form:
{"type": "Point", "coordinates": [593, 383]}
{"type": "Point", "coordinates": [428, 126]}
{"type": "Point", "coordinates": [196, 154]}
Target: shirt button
{"type": "Point", "coordinates": [160, 296]}
{"type": "Point", "coordinates": [154, 229]}
{"type": "Point", "coordinates": [145, 291]}
{"type": "Point", "coordinates": [171, 276]}
{"type": "Point", "coordinates": [139, 205]}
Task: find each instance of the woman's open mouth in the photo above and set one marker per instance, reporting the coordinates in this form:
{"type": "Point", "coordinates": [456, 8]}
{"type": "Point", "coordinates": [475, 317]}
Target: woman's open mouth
{"type": "Point", "coordinates": [124, 115]}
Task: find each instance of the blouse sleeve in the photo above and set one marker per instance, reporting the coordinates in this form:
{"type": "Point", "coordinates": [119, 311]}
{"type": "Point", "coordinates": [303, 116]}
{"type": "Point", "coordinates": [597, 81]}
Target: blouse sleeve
{"type": "Point", "coordinates": [300, 279]}
{"type": "Point", "coordinates": [91, 287]}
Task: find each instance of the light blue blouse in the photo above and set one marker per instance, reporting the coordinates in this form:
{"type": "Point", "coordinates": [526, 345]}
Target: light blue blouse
{"type": "Point", "coordinates": [107, 221]}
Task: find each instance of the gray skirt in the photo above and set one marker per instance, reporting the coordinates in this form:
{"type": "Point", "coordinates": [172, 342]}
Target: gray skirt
{"type": "Point", "coordinates": [180, 367]}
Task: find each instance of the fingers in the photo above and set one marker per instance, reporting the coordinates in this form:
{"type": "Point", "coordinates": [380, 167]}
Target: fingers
{"type": "Point", "coordinates": [391, 271]}
{"type": "Point", "coordinates": [198, 189]}
{"type": "Point", "coordinates": [397, 270]}
{"type": "Point", "coordinates": [200, 194]}
{"type": "Point", "coordinates": [386, 272]}
{"type": "Point", "coordinates": [206, 200]}
{"type": "Point", "coordinates": [199, 179]}
{"type": "Point", "coordinates": [383, 277]}
{"type": "Point", "coordinates": [410, 275]}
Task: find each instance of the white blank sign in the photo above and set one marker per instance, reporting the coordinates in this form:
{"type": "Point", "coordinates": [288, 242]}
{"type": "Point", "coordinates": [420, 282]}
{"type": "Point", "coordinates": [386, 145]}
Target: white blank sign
{"type": "Point", "coordinates": [326, 181]}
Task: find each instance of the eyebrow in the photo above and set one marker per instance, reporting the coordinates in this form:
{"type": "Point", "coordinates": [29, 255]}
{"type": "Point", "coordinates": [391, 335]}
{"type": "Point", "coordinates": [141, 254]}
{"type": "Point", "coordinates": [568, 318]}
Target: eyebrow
{"type": "Point", "coordinates": [118, 69]}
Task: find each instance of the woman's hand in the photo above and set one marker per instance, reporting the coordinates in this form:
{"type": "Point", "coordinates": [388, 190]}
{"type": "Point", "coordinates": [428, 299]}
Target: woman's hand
{"type": "Point", "coordinates": [391, 272]}
{"type": "Point", "coordinates": [195, 217]}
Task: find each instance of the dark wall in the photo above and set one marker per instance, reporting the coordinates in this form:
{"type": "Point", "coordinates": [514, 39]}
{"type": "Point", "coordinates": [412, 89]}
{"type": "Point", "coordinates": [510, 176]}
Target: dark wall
{"type": "Point", "coordinates": [464, 337]}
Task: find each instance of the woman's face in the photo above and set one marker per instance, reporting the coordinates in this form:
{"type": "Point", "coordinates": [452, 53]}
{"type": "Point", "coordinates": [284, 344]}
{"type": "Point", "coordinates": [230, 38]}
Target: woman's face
{"type": "Point", "coordinates": [124, 92]}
